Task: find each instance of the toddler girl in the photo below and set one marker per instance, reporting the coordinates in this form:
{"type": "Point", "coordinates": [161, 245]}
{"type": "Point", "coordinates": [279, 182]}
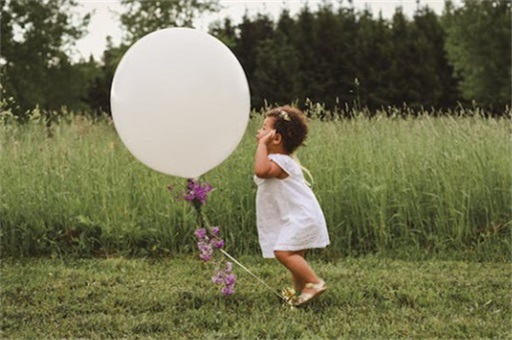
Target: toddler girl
{"type": "Point", "coordinates": [289, 218]}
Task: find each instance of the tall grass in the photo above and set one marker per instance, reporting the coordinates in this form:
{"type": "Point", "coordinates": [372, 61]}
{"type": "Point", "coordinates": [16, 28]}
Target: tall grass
{"type": "Point", "coordinates": [419, 185]}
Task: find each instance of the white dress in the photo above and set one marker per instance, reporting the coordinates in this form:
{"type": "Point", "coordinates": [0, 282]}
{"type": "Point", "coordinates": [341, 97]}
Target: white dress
{"type": "Point", "coordinates": [288, 215]}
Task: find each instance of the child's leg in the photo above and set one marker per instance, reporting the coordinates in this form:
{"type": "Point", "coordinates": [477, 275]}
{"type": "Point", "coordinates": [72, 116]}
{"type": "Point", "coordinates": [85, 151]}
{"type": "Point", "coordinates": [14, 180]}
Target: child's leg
{"type": "Point", "coordinates": [298, 266]}
{"type": "Point", "coordinates": [298, 281]}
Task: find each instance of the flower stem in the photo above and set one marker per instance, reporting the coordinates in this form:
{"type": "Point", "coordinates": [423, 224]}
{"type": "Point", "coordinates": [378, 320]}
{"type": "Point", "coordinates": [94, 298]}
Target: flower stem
{"type": "Point", "coordinates": [204, 219]}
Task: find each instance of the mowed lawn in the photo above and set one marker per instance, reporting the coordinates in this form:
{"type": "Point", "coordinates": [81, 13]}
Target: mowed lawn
{"type": "Point", "coordinates": [173, 298]}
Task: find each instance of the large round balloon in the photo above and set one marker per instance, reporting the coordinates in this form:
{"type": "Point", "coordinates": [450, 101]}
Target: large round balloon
{"type": "Point", "coordinates": [180, 101]}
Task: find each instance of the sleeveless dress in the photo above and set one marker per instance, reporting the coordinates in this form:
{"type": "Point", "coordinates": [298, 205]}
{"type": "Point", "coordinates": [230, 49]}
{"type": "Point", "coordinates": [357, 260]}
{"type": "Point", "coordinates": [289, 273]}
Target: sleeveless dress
{"type": "Point", "coordinates": [288, 214]}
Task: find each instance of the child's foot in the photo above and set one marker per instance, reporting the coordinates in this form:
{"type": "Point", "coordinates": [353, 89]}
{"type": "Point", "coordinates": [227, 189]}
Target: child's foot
{"type": "Point", "coordinates": [310, 292]}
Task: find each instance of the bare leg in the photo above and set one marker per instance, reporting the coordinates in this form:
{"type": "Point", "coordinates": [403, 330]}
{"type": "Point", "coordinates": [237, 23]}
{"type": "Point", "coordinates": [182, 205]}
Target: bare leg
{"type": "Point", "coordinates": [298, 266]}
{"type": "Point", "coordinates": [298, 282]}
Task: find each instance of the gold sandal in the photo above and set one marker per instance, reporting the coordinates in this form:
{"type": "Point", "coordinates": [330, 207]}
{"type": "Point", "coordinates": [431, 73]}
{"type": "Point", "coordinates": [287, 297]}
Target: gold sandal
{"type": "Point", "coordinates": [318, 288]}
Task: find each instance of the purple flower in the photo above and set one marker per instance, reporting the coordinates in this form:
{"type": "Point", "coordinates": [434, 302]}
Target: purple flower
{"type": "Point", "coordinates": [196, 193]}
{"type": "Point", "coordinates": [225, 278]}
{"type": "Point", "coordinates": [230, 280]}
{"type": "Point", "coordinates": [205, 251]}
{"type": "Point", "coordinates": [218, 278]}
{"type": "Point", "coordinates": [203, 246]}
{"type": "Point", "coordinates": [205, 257]}
{"type": "Point", "coordinates": [200, 233]}
{"type": "Point", "coordinates": [215, 231]}
{"type": "Point", "coordinates": [228, 290]}
{"type": "Point", "coordinates": [218, 243]}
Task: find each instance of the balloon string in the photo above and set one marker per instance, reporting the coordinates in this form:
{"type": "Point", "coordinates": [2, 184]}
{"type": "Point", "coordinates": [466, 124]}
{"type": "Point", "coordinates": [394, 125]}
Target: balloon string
{"type": "Point", "coordinates": [251, 273]}
{"type": "Point", "coordinates": [205, 219]}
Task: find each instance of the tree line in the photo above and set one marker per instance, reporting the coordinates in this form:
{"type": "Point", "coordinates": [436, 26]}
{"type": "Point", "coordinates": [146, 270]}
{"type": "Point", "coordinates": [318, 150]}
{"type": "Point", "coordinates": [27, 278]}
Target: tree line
{"type": "Point", "coordinates": [332, 54]}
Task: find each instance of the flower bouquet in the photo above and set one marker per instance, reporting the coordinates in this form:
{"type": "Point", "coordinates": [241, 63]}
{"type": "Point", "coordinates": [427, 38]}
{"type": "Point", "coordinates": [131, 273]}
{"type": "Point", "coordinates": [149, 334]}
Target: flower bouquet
{"type": "Point", "coordinates": [209, 242]}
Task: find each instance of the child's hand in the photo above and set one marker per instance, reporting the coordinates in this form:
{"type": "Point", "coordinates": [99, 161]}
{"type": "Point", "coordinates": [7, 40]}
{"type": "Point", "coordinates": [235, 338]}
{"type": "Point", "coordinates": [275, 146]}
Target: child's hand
{"type": "Point", "coordinates": [266, 138]}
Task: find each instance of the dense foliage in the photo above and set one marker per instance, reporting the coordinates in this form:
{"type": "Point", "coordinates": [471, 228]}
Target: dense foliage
{"type": "Point", "coordinates": [35, 67]}
{"type": "Point", "coordinates": [424, 185]}
{"type": "Point", "coordinates": [333, 54]}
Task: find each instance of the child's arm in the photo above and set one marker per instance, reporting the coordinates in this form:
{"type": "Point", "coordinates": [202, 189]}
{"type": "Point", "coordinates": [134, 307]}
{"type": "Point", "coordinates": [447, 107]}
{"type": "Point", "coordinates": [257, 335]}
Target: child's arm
{"type": "Point", "coordinates": [263, 166]}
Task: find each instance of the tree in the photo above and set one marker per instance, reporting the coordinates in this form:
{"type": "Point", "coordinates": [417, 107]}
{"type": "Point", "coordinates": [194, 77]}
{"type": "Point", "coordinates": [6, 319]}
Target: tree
{"type": "Point", "coordinates": [339, 51]}
{"type": "Point", "coordinates": [478, 43]}
{"type": "Point", "coordinates": [276, 77]}
{"type": "Point", "coordinates": [303, 39]}
{"type": "Point", "coordinates": [143, 17]}
{"type": "Point", "coordinates": [98, 95]}
{"type": "Point", "coordinates": [373, 48]}
{"type": "Point", "coordinates": [403, 78]}
{"type": "Point", "coordinates": [252, 33]}
{"type": "Point", "coordinates": [442, 85]}
{"type": "Point", "coordinates": [225, 31]}
{"type": "Point", "coordinates": [36, 70]}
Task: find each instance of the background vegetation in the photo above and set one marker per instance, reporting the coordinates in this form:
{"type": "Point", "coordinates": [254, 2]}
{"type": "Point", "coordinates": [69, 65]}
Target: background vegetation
{"type": "Point", "coordinates": [413, 185]}
{"type": "Point", "coordinates": [332, 54]}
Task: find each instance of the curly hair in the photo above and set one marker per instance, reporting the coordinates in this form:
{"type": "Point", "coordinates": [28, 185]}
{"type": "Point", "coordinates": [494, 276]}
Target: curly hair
{"type": "Point", "coordinates": [291, 124]}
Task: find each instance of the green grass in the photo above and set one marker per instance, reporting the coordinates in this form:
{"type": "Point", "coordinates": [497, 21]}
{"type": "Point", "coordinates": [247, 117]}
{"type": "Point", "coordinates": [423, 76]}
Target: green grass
{"type": "Point", "coordinates": [173, 298]}
{"type": "Point", "coordinates": [410, 186]}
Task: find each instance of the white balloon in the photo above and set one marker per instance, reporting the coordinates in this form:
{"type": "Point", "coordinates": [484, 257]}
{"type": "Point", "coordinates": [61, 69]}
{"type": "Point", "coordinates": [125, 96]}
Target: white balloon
{"type": "Point", "coordinates": [180, 101]}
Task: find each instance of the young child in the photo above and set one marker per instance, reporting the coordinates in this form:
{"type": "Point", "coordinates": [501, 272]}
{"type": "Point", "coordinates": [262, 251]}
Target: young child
{"type": "Point", "coordinates": [289, 218]}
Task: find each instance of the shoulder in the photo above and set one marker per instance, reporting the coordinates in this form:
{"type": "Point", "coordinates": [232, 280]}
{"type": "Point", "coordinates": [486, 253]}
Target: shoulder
{"type": "Point", "coordinates": [280, 158]}
{"type": "Point", "coordinates": [285, 162]}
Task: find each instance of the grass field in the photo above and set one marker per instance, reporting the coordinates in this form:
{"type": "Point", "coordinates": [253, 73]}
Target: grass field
{"type": "Point", "coordinates": [416, 185]}
{"type": "Point", "coordinates": [369, 298]}
{"type": "Point", "coordinates": [93, 245]}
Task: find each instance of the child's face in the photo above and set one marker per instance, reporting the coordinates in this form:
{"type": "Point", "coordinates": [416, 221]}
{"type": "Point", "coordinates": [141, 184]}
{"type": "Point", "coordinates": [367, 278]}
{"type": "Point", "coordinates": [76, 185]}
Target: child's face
{"type": "Point", "coordinates": [266, 128]}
